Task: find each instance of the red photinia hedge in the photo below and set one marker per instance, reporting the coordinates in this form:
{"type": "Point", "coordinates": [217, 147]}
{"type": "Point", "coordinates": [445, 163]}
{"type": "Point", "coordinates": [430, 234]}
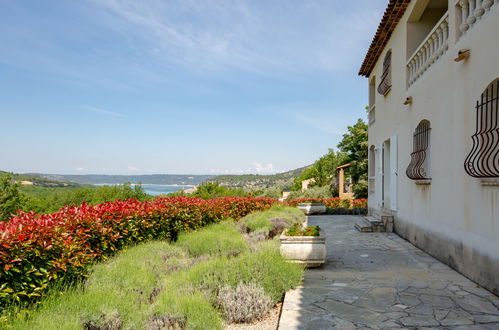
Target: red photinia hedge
{"type": "Point", "coordinates": [37, 249]}
{"type": "Point", "coordinates": [332, 203]}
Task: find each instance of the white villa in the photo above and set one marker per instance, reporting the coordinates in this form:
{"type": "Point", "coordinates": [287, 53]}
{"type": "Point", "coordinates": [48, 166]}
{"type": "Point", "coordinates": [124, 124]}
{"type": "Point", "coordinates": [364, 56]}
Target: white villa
{"type": "Point", "coordinates": [433, 76]}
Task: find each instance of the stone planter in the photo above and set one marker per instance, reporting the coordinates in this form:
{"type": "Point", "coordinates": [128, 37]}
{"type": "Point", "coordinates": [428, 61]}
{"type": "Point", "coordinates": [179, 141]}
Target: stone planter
{"type": "Point", "coordinates": [312, 208]}
{"type": "Point", "coordinates": [308, 250]}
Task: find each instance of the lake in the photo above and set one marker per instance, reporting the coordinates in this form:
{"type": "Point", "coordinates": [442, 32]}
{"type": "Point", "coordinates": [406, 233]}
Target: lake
{"type": "Point", "coordinates": [156, 189]}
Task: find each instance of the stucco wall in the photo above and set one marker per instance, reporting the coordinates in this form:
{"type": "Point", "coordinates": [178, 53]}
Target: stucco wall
{"type": "Point", "coordinates": [455, 218]}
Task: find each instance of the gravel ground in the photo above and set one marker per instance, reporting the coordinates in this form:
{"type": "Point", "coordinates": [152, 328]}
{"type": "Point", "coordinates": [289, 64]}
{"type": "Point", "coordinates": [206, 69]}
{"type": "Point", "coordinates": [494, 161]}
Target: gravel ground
{"type": "Point", "coordinates": [268, 322]}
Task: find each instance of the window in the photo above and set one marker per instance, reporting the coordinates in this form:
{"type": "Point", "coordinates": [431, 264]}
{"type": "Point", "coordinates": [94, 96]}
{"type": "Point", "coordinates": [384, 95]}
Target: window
{"type": "Point", "coordinates": [483, 159]}
{"type": "Point", "coordinates": [372, 101]}
{"type": "Point", "coordinates": [386, 78]}
{"type": "Point", "coordinates": [418, 167]}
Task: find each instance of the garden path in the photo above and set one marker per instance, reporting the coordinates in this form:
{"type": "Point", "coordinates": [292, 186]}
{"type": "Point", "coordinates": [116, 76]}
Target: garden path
{"type": "Point", "coordinates": [379, 280]}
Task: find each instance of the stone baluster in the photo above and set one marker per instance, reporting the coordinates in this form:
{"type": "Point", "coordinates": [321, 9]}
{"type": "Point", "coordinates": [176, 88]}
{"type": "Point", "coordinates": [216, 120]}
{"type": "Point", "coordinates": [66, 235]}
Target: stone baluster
{"type": "Point", "coordinates": [445, 28]}
{"type": "Point", "coordinates": [429, 42]}
{"type": "Point", "coordinates": [428, 56]}
{"type": "Point", "coordinates": [411, 72]}
{"type": "Point", "coordinates": [471, 17]}
{"type": "Point", "coordinates": [464, 15]}
{"type": "Point", "coordinates": [422, 61]}
{"type": "Point", "coordinates": [424, 58]}
{"type": "Point", "coordinates": [434, 41]}
{"type": "Point", "coordinates": [479, 9]}
{"type": "Point", "coordinates": [418, 65]}
{"type": "Point", "coordinates": [487, 4]}
{"type": "Point", "coordinates": [440, 33]}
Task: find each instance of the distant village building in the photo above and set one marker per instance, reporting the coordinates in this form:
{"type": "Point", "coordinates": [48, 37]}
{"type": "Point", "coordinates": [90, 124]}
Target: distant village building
{"type": "Point", "coordinates": [433, 77]}
{"type": "Point", "coordinates": [306, 183]}
{"type": "Point", "coordinates": [26, 183]}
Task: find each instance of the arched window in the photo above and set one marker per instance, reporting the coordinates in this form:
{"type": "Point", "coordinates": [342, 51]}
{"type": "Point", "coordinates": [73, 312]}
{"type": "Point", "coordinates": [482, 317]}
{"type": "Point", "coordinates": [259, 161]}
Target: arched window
{"type": "Point", "coordinates": [386, 78]}
{"type": "Point", "coordinates": [483, 159]}
{"type": "Point", "coordinates": [418, 167]}
{"type": "Point", "coordinates": [372, 100]}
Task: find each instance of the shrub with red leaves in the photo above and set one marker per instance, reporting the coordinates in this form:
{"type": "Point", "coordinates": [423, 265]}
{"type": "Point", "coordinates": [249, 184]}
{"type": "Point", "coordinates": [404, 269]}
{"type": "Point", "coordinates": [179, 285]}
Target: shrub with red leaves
{"type": "Point", "coordinates": [331, 203]}
{"type": "Point", "coordinates": [36, 250]}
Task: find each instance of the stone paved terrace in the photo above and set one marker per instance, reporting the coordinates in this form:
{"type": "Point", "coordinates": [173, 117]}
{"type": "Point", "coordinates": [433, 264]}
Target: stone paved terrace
{"type": "Point", "coordinates": [379, 280]}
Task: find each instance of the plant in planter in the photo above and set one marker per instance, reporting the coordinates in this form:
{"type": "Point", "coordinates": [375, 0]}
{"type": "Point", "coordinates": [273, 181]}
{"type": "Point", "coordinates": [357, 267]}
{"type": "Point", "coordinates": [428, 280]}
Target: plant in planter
{"type": "Point", "coordinates": [312, 207]}
{"type": "Point", "coordinates": [305, 245]}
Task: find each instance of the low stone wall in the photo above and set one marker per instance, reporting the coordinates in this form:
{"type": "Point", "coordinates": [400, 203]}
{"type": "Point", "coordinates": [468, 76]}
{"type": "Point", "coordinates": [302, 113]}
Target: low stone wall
{"type": "Point", "coordinates": [342, 211]}
{"type": "Point", "coordinates": [473, 264]}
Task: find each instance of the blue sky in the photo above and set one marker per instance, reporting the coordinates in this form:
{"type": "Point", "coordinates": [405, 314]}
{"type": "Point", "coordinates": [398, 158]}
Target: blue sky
{"type": "Point", "coordinates": [179, 86]}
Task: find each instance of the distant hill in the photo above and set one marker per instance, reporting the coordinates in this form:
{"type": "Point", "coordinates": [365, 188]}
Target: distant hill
{"type": "Point", "coordinates": [145, 179]}
{"type": "Point", "coordinates": [257, 181]}
{"type": "Point", "coordinates": [39, 180]}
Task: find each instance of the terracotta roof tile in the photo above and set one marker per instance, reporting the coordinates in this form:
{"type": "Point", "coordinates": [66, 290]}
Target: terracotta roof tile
{"type": "Point", "coordinates": [391, 17]}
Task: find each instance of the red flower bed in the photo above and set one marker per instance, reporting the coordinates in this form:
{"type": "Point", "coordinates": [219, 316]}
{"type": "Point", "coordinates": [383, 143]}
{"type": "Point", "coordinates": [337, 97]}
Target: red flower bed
{"type": "Point", "coordinates": [36, 249]}
{"type": "Point", "coordinates": [332, 203]}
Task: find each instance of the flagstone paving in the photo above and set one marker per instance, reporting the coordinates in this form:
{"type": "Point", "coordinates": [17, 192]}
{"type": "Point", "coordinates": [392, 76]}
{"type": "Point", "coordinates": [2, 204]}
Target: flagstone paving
{"type": "Point", "coordinates": [379, 280]}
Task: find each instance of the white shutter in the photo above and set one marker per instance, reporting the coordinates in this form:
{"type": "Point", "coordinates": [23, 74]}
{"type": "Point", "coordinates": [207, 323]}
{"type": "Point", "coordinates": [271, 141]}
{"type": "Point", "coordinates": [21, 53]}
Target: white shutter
{"type": "Point", "coordinates": [379, 176]}
{"type": "Point", "coordinates": [393, 173]}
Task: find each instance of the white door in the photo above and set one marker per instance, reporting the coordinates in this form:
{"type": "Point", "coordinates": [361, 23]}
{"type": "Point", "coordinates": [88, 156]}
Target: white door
{"type": "Point", "coordinates": [393, 173]}
{"type": "Point", "coordinates": [386, 173]}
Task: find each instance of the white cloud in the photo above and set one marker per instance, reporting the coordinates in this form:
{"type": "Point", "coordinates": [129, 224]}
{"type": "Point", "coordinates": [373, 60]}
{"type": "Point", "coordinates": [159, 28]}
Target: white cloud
{"type": "Point", "coordinates": [131, 168]}
{"type": "Point", "coordinates": [257, 168]}
{"type": "Point", "coordinates": [101, 111]}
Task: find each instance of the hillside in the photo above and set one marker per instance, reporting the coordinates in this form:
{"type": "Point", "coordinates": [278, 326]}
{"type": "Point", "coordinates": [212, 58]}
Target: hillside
{"type": "Point", "coordinates": [167, 179]}
{"type": "Point", "coordinates": [257, 181]}
{"type": "Point", "coordinates": [29, 179]}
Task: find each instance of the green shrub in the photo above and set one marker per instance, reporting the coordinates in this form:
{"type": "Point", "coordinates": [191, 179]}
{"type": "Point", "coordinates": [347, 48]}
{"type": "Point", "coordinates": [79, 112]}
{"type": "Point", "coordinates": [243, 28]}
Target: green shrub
{"type": "Point", "coordinates": [210, 190]}
{"type": "Point", "coordinates": [272, 193]}
{"type": "Point", "coordinates": [111, 294]}
{"type": "Point", "coordinates": [360, 189]}
{"type": "Point", "coordinates": [157, 285]}
{"type": "Point", "coordinates": [314, 192]}
{"type": "Point", "coordinates": [265, 268]}
{"type": "Point", "coordinates": [244, 303]}
{"type": "Point", "coordinates": [11, 199]}
{"type": "Point", "coordinates": [299, 230]}
{"type": "Point", "coordinates": [271, 222]}
{"type": "Point", "coordinates": [345, 203]}
{"type": "Point", "coordinates": [258, 223]}
{"type": "Point", "coordinates": [216, 239]}
{"type": "Point", "coordinates": [194, 307]}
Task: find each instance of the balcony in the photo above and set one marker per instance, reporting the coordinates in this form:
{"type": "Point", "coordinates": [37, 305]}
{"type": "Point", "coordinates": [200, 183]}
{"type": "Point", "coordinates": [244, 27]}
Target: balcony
{"type": "Point", "coordinates": [429, 51]}
{"type": "Point", "coordinates": [470, 12]}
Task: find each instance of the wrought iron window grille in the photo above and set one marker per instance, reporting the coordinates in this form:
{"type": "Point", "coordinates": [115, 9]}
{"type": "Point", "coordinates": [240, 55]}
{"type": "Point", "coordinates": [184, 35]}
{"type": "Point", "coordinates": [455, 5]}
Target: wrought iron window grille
{"type": "Point", "coordinates": [417, 169]}
{"type": "Point", "coordinates": [386, 78]}
{"type": "Point", "coordinates": [483, 159]}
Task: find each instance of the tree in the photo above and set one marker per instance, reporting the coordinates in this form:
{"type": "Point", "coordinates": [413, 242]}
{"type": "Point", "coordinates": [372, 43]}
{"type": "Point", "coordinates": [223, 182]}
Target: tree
{"type": "Point", "coordinates": [11, 198]}
{"type": "Point", "coordinates": [322, 171]}
{"type": "Point", "coordinates": [355, 145]}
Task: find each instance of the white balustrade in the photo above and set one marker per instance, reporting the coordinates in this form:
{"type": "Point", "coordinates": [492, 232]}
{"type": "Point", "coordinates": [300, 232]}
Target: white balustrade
{"type": "Point", "coordinates": [429, 51]}
{"type": "Point", "coordinates": [473, 11]}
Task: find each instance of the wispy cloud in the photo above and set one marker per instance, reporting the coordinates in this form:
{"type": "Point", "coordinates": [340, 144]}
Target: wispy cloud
{"type": "Point", "coordinates": [101, 111]}
{"type": "Point", "coordinates": [218, 34]}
